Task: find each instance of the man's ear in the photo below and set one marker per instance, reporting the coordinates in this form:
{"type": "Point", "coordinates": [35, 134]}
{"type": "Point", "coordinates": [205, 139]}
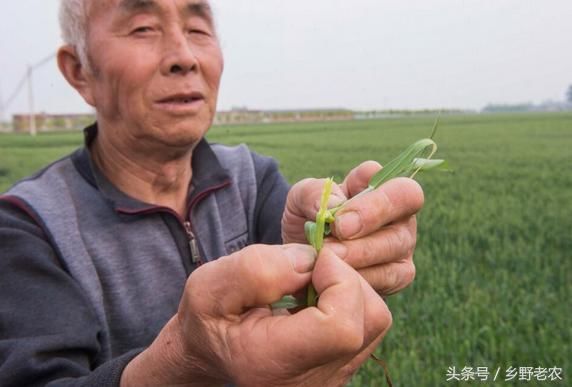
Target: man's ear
{"type": "Point", "coordinates": [75, 72]}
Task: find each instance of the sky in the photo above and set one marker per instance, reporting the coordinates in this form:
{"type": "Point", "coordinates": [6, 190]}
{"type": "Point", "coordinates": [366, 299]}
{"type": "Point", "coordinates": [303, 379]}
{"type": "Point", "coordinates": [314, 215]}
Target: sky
{"type": "Point", "coordinates": [358, 54]}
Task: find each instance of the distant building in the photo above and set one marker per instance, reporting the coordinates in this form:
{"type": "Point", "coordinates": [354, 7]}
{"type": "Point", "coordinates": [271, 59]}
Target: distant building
{"type": "Point", "coordinates": [5, 127]}
{"type": "Point", "coordinates": [397, 113]}
{"type": "Point", "coordinates": [52, 122]}
{"type": "Point", "coordinates": [240, 115]}
{"type": "Point", "coordinates": [244, 116]}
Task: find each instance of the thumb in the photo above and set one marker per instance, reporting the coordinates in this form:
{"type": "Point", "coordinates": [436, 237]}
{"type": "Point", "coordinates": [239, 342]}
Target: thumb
{"type": "Point", "coordinates": [257, 275]}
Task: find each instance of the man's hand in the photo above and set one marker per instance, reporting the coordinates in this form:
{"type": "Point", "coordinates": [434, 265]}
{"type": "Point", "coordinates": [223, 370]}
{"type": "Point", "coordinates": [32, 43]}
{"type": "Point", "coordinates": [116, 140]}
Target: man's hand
{"type": "Point", "coordinates": [224, 330]}
{"type": "Point", "coordinates": [374, 233]}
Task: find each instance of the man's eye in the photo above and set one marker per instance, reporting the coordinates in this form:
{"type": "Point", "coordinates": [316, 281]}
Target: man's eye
{"type": "Point", "coordinates": [198, 31]}
{"type": "Point", "coordinates": [142, 30]}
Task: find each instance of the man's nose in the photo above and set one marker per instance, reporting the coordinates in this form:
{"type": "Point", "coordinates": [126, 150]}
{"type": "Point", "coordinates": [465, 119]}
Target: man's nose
{"type": "Point", "coordinates": [179, 57]}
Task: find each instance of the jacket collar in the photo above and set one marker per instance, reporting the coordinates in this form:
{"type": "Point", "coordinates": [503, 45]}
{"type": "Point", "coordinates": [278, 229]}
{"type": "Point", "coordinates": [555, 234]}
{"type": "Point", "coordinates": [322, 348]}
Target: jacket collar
{"type": "Point", "coordinates": [208, 176]}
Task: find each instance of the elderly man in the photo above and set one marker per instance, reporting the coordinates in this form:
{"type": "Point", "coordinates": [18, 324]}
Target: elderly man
{"type": "Point", "coordinates": [149, 257]}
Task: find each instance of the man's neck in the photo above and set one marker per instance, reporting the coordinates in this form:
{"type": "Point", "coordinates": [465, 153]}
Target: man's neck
{"type": "Point", "coordinates": [159, 177]}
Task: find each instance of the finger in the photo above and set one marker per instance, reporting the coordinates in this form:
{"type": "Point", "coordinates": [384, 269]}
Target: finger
{"type": "Point", "coordinates": [349, 320]}
{"type": "Point", "coordinates": [255, 276]}
{"type": "Point", "coordinates": [331, 332]}
{"type": "Point", "coordinates": [396, 199]}
{"type": "Point", "coordinates": [378, 318]}
{"type": "Point", "coordinates": [304, 197]}
{"type": "Point", "coordinates": [390, 278]}
{"type": "Point", "coordinates": [377, 322]}
{"type": "Point", "coordinates": [333, 329]}
{"type": "Point", "coordinates": [358, 178]}
{"type": "Point", "coordinates": [388, 244]}
{"type": "Point", "coordinates": [302, 204]}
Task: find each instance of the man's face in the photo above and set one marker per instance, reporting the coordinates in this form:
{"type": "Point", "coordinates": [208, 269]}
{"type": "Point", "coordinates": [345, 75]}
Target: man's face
{"type": "Point", "coordinates": [155, 68]}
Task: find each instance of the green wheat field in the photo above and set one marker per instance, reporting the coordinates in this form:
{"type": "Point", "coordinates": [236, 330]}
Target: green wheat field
{"type": "Point", "coordinates": [494, 255]}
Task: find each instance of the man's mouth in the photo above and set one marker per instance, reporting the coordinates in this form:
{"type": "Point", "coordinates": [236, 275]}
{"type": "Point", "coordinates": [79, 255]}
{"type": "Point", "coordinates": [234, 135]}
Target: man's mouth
{"type": "Point", "coordinates": [182, 103]}
{"type": "Point", "coordinates": [182, 98]}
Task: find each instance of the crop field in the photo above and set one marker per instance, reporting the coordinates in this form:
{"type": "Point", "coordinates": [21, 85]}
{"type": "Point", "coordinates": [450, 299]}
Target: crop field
{"type": "Point", "coordinates": [494, 255]}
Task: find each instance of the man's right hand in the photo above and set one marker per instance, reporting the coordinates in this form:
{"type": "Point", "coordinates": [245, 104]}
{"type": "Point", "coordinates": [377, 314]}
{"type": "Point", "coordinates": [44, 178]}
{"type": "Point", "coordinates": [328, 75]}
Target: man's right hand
{"type": "Point", "coordinates": [224, 330]}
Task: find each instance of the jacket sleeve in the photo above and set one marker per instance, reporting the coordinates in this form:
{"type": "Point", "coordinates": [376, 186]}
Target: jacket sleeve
{"type": "Point", "coordinates": [48, 330]}
{"type": "Point", "coordinates": [271, 200]}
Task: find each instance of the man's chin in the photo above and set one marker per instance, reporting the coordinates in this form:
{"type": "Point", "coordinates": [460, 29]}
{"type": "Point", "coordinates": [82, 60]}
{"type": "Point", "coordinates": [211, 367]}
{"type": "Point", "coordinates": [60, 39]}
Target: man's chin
{"type": "Point", "coordinates": [182, 134]}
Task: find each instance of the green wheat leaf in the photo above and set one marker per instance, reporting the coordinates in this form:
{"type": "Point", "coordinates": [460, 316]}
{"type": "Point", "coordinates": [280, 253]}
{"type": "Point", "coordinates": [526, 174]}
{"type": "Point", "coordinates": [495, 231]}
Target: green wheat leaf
{"type": "Point", "coordinates": [286, 302]}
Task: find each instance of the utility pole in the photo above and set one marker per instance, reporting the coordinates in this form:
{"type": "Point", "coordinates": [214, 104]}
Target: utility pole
{"type": "Point", "coordinates": [33, 130]}
{"type": "Point", "coordinates": [27, 78]}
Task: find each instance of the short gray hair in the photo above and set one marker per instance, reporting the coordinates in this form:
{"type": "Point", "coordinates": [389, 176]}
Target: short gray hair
{"type": "Point", "coordinates": [73, 25]}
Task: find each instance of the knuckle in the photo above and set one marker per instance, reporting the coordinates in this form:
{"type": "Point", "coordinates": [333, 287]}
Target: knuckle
{"type": "Point", "coordinates": [367, 249]}
{"type": "Point", "coordinates": [387, 322]}
{"type": "Point", "coordinates": [398, 242]}
{"type": "Point", "coordinates": [350, 337]}
{"type": "Point", "coordinates": [379, 318]}
{"type": "Point", "coordinates": [298, 193]}
{"type": "Point", "coordinates": [252, 265]}
{"type": "Point", "coordinates": [409, 273]}
{"type": "Point", "coordinates": [300, 185]}
{"type": "Point", "coordinates": [342, 335]}
{"type": "Point", "coordinates": [195, 281]}
{"type": "Point", "coordinates": [191, 299]}
{"type": "Point", "coordinates": [196, 297]}
{"type": "Point", "coordinates": [412, 223]}
{"type": "Point", "coordinates": [406, 238]}
{"type": "Point", "coordinates": [384, 325]}
{"type": "Point", "coordinates": [392, 279]}
{"type": "Point", "coordinates": [412, 232]}
{"type": "Point", "coordinates": [400, 277]}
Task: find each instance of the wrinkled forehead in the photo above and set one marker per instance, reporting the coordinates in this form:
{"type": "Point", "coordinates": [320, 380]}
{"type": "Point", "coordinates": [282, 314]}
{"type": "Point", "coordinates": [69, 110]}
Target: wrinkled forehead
{"type": "Point", "coordinates": [109, 8]}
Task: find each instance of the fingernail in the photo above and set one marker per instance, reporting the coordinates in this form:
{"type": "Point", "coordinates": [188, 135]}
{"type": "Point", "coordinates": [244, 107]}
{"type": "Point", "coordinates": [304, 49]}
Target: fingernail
{"type": "Point", "coordinates": [333, 201]}
{"type": "Point", "coordinates": [339, 249]}
{"type": "Point", "coordinates": [302, 257]}
{"type": "Point", "coordinates": [348, 224]}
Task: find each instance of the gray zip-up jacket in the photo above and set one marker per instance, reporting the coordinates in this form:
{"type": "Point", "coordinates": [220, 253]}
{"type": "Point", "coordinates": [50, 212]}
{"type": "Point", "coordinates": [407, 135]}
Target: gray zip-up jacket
{"type": "Point", "coordinates": [89, 276]}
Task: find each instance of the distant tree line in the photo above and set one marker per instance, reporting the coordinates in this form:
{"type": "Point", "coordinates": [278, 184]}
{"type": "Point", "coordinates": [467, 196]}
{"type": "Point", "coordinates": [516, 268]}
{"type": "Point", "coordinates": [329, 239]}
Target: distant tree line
{"type": "Point", "coordinates": [546, 106]}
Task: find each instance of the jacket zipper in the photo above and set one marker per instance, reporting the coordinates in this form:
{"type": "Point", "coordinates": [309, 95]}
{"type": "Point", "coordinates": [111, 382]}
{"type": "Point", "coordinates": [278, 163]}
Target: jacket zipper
{"type": "Point", "coordinates": [192, 240]}
{"type": "Point", "coordinates": [195, 255]}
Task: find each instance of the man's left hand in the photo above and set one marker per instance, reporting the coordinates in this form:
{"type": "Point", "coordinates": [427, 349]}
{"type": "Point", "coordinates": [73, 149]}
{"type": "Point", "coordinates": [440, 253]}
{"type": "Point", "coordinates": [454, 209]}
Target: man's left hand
{"type": "Point", "coordinates": [375, 233]}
